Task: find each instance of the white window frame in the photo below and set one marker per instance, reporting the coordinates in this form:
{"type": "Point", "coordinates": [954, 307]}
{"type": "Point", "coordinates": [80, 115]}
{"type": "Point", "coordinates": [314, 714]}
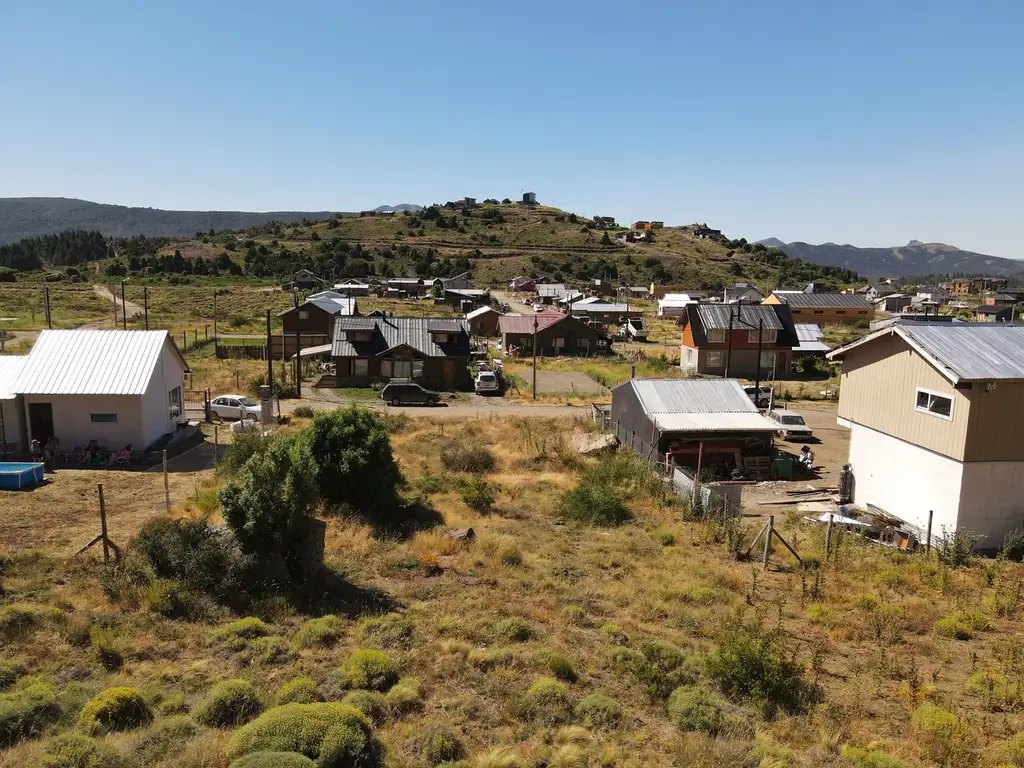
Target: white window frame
{"type": "Point", "coordinates": [360, 362]}
{"type": "Point", "coordinates": [768, 336]}
{"type": "Point", "coordinates": [932, 394]}
{"type": "Point", "coordinates": [716, 336]}
{"type": "Point", "coordinates": [767, 361]}
{"type": "Point", "coordinates": [385, 369]}
{"type": "Point", "coordinates": [303, 314]}
{"type": "Point", "coordinates": [558, 343]}
{"type": "Point", "coordinates": [717, 355]}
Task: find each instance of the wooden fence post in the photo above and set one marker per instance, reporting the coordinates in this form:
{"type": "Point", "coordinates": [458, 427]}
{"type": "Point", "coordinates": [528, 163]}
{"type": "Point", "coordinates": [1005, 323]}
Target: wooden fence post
{"type": "Point", "coordinates": [768, 540]}
{"type": "Point", "coordinates": [103, 525]}
{"type": "Point", "coordinates": [828, 536]}
{"type": "Point", "coordinates": [928, 541]}
{"type": "Point", "coordinates": [216, 443]}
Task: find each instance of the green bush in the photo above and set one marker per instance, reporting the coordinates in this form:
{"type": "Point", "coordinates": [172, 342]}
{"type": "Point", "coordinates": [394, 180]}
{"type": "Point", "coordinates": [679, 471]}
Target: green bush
{"type": "Point", "coordinates": [248, 628]}
{"type": "Point", "coordinates": [592, 503]}
{"type": "Point", "coordinates": [115, 709]}
{"type": "Point", "coordinates": [598, 711]}
{"type": "Point", "coordinates": [230, 703]}
{"type": "Point", "coordinates": [437, 746]}
{"type": "Point", "coordinates": [1013, 749]}
{"type": "Point", "coordinates": [18, 619]}
{"type": "Point", "coordinates": [665, 538]}
{"type": "Point", "coordinates": [321, 632]}
{"type": "Point", "coordinates": [300, 690]}
{"type": "Point", "coordinates": [545, 702]}
{"type": "Point", "coordinates": [953, 628]}
{"type": "Point", "coordinates": [751, 667]}
{"type": "Point", "coordinates": [167, 738]}
{"type": "Point", "coordinates": [355, 466]}
{"type": "Point", "coordinates": [106, 647]}
{"type": "Point", "coordinates": [575, 616]}
{"type": "Point", "coordinates": [9, 674]}
{"type": "Point", "coordinates": [691, 708]}
{"type": "Point", "coordinates": [405, 697]}
{"type": "Point", "coordinates": [170, 599]}
{"type": "Point", "coordinates": [370, 670]}
{"type": "Point", "coordinates": [244, 445]}
{"type": "Point", "coordinates": [478, 495]}
{"type": "Point", "coordinates": [303, 412]}
{"type": "Point", "coordinates": [944, 737]}
{"type": "Point", "coordinates": [392, 630]}
{"type": "Point", "coordinates": [371, 703]}
{"type": "Point", "coordinates": [195, 553]}
{"type": "Point", "coordinates": [854, 757]}
{"type": "Point", "coordinates": [457, 456]}
{"type": "Point", "coordinates": [26, 712]}
{"type": "Point", "coordinates": [562, 668]}
{"type": "Point", "coordinates": [514, 630]}
{"type": "Point", "coordinates": [75, 750]}
{"type": "Point", "coordinates": [273, 760]}
{"type": "Point", "coordinates": [658, 666]}
{"type": "Point", "coordinates": [334, 735]}
{"type": "Point", "coordinates": [956, 548]}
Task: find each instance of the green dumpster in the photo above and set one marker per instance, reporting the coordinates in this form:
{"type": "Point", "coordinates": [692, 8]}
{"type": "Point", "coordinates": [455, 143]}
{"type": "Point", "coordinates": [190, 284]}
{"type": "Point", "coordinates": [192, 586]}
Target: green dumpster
{"type": "Point", "coordinates": [782, 468]}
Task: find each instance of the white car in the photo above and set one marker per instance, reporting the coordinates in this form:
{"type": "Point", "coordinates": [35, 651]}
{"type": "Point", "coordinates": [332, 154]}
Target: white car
{"type": "Point", "coordinates": [236, 407]}
{"type": "Point", "coordinates": [538, 307]}
{"type": "Point", "coordinates": [486, 381]}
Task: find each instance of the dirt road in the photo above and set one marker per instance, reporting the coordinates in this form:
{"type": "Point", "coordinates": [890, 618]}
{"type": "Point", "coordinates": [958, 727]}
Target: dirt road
{"type": "Point", "coordinates": [477, 406]}
{"type": "Point", "coordinates": [104, 293]}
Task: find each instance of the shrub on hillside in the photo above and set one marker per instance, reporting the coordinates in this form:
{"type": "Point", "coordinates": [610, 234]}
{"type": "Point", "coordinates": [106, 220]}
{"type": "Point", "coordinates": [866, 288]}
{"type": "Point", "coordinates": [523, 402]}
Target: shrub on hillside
{"type": "Point", "coordinates": [598, 711]}
{"type": "Point", "coordinates": [478, 495]}
{"type": "Point", "coordinates": [437, 746]}
{"type": "Point", "coordinates": [562, 668]}
{"type": "Point", "coordinates": [405, 697]}
{"type": "Point", "coordinates": [371, 703]}
{"type": "Point", "coordinates": [370, 670]}
{"type": "Point", "coordinates": [956, 548]}
{"type": "Point", "coordinates": [25, 713]}
{"type": "Point", "coordinates": [392, 630]}
{"type": "Point", "coordinates": [230, 703]}
{"type": "Point", "coordinates": [9, 674]}
{"type": "Point", "coordinates": [752, 667]}
{"type": "Point", "coordinates": [106, 647]}
{"type": "Point", "coordinates": [303, 412]}
{"type": "Point", "coordinates": [76, 750]}
{"type": "Point", "coordinates": [166, 739]}
{"type": "Point", "coordinates": [945, 738]}
{"type": "Point", "coordinates": [300, 690]}
{"type": "Point", "coordinates": [273, 760]}
{"type": "Point", "coordinates": [545, 702]}
{"type": "Point", "coordinates": [691, 708]}
{"type": "Point", "coordinates": [244, 445]}
{"type": "Point", "coordinates": [658, 666]}
{"type": "Point", "coordinates": [194, 553]}
{"type": "Point", "coordinates": [333, 735]}
{"type": "Point", "coordinates": [458, 456]}
{"type": "Point", "coordinates": [514, 630]}
{"type": "Point", "coordinates": [18, 619]}
{"type": "Point", "coordinates": [355, 466]}
{"type": "Point", "coordinates": [854, 757]}
{"type": "Point", "coordinates": [246, 628]}
{"type": "Point", "coordinates": [115, 709]}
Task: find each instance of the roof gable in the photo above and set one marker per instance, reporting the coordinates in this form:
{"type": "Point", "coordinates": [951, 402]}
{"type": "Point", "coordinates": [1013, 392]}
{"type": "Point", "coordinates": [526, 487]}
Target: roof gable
{"type": "Point", "coordinates": [387, 333]}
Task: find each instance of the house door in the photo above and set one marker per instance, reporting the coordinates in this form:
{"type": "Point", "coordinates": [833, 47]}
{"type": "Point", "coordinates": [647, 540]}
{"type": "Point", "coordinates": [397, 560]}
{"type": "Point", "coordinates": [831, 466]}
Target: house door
{"type": "Point", "coordinates": [40, 420]}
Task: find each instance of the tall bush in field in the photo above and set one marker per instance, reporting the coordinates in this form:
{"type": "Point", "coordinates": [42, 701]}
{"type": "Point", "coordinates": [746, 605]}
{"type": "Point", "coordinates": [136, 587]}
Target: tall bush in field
{"type": "Point", "coordinates": [354, 463]}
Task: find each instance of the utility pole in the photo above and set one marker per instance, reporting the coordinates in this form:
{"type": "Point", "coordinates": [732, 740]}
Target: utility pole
{"type": "Point", "coordinates": [46, 306]}
{"type": "Point", "coordinates": [145, 304]}
{"type": "Point", "coordinates": [215, 318]}
{"type": "Point", "coordinates": [124, 310]}
{"type": "Point", "coordinates": [535, 324]}
{"type": "Point", "coordinates": [270, 358]}
{"type": "Point", "coordinates": [113, 298]}
{"type": "Point", "coordinates": [757, 375]}
{"type": "Point", "coordinates": [298, 359]}
{"type": "Point", "coordinates": [728, 349]}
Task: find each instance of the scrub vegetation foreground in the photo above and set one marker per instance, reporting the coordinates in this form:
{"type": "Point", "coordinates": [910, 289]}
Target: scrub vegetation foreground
{"type": "Point", "coordinates": [592, 620]}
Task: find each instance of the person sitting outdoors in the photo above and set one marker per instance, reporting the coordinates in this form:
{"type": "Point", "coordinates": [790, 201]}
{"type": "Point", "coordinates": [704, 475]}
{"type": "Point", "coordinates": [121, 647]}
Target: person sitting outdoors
{"type": "Point", "coordinates": [806, 457]}
{"type": "Point", "coordinates": [36, 449]}
{"type": "Point", "coordinates": [91, 452]}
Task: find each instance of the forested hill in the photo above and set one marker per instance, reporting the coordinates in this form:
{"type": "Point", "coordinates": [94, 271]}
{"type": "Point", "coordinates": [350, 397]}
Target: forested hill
{"type": "Point", "coordinates": [22, 217]}
{"type": "Point", "coordinates": [494, 241]}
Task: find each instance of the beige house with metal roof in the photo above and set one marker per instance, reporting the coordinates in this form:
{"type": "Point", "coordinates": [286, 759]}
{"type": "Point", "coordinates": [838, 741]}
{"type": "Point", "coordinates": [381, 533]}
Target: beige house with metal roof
{"type": "Point", "coordinates": [115, 387]}
{"type": "Point", "coordinates": [935, 413]}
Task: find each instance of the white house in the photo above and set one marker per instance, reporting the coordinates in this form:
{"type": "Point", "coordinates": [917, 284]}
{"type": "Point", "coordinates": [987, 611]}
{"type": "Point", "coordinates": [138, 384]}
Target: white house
{"type": "Point", "coordinates": [11, 409]}
{"type": "Point", "coordinates": [674, 304]}
{"type": "Point", "coordinates": [115, 387]}
{"type": "Point", "coordinates": [936, 413]}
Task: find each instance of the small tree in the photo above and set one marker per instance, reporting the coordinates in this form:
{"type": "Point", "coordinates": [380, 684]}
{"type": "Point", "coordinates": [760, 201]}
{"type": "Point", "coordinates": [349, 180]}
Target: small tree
{"type": "Point", "coordinates": [437, 291]}
{"type": "Point", "coordinates": [354, 463]}
{"type": "Point", "coordinates": [605, 240]}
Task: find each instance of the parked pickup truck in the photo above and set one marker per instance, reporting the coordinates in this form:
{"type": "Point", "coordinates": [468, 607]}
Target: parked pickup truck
{"type": "Point", "coordinates": [791, 425]}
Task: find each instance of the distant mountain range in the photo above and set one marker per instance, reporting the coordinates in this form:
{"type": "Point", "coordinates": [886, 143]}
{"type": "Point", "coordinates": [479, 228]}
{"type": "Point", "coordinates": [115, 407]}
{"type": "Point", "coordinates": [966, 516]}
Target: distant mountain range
{"type": "Point", "coordinates": [910, 260]}
{"type": "Point", "coordinates": [22, 217]}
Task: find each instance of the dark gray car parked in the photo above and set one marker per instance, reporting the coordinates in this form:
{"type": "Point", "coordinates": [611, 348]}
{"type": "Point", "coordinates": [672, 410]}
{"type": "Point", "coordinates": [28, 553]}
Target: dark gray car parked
{"type": "Point", "coordinates": [409, 393]}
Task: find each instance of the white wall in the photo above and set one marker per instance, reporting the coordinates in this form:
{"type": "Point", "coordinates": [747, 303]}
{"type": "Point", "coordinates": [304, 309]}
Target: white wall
{"type": "Point", "coordinates": [904, 479]}
{"type": "Point", "coordinates": [73, 426]}
{"type": "Point", "coordinates": [990, 500]}
{"type": "Point", "coordinates": [156, 419]}
{"type": "Point", "coordinates": [13, 420]}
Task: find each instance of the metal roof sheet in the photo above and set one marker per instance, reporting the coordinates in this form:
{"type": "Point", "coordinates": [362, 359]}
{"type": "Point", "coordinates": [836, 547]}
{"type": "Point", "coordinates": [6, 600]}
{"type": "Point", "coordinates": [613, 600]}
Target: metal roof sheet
{"type": "Point", "coordinates": [10, 367]}
{"type": "Point", "coordinates": [480, 311]}
{"type": "Point", "coordinates": [524, 323]}
{"type": "Point", "coordinates": [969, 351]}
{"type": "Point", "coordinates": [743, 315]}
{"type": "Point", "coordinates": [599, 306]}
{"type": "Point", "coordinates": [391, 332]}
{"type": "Point", "coordinates": [808, 331]}
{"type": "Point", "coordinates": [714, 422]}
{"type": "Point", "coordinates": [692, 396]}
{"type": "Point", "coordinates": [90, 362]}
{"type": "Point", "coordinates": [823, 300]}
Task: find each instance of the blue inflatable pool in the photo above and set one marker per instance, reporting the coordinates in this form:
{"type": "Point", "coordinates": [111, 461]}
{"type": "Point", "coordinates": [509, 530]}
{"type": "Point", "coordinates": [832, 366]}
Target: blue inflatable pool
{"type": "Point", "coordinates": [15, 475]}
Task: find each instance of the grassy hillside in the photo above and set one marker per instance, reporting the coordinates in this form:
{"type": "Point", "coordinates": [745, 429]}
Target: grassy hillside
{"type": "Point", "coordinates": [539, 643]}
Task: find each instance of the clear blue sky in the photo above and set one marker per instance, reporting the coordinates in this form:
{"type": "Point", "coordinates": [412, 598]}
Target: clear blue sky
{"type": "Point", "coordinates": [871, 122]}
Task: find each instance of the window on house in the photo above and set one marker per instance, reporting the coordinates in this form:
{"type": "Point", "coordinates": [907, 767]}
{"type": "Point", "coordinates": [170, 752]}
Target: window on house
{"type": "Point", "coordinates": [582, 343]}
{"type": "Point", "coordinates": [303, 314]}
{"type": "Point", "coordinates": [385, 369]}
{"type": "Point", "coordinates": [935, 404]}
{"type": "Point", "coordinates": [417, 369]}
{"type": "Point", "coordinates": [716, 336]}
{"type": "Point", "coordinates": [103, 418]}
{"type": "Point", "coordinates": [715, 360]}
{"type": "Point", "coordinates": [767, 336]}
{"type": "Point", "coordinates": [360, 367]}
{"type": "Point", "coordinates": [767, 359]}
{"type": "Point", "coordinates": [558, 343]}
{"type": "Point", "coordinates": [819, 311]}
{"type": "Point", "coordinates": [403, 369]}
{"type": "Point", "coordinates": [174, 404]}
{"type": "Point", "coordinates": [840, 311]}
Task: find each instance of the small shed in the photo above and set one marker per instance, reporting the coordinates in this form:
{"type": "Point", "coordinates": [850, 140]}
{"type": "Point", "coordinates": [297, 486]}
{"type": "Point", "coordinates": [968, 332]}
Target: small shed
{"type": "Point", "coordinates": [11, 421]}
{"type": "Point", "coordinates": [711, 421]}
{"type": "Point", "coordinates": [483, 321]}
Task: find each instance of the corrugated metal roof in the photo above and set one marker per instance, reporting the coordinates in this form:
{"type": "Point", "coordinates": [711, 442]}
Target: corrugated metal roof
{"type": "Point", "coordinates": [808, 331]}
{"type": "Point", "coordinates": [599, 306]}
{"type": "Point", "coordinates": [524, 323]}
{"type": "Point", "coordinates": [550, 289]}
{"type": "Point", "coordinates": [10, 367]}
{"type": "Point", "coordinates": [88, 362]}
{"type": "Point", "coordinates": [358, 323]}
{"type": "Point", "coordinates": [699, 405]}
{"type": "Point", "coordinates": [743, 315]}
{"type": "Point", "coordinates": [969, 351]}
{"type": "Point", "coordinates": [393, 332]}
{"type": "Point", "coordinates": [824, 300]}
{"type": "Point", "coordinates": [480, 311]}
{"type": "Point", "coordinates": [713, 422]}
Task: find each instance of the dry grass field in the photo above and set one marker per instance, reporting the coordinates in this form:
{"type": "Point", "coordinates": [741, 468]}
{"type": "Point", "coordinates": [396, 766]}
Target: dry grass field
{"type": "Point", "coordinates": [540, 642]}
